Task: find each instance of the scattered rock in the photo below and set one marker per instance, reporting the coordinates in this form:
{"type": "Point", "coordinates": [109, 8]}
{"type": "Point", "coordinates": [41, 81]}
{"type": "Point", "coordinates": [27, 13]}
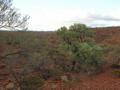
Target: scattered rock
{"type": "Point", "coordinates": [64, 78]}
{"type": "Point", "coordinates": [53, 86]}
{"type": "Point", "coordinates": [10, 86]}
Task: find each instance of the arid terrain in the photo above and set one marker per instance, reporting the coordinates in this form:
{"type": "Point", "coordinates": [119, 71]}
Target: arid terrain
{"type": "Point", "coordinates": [105, 80]}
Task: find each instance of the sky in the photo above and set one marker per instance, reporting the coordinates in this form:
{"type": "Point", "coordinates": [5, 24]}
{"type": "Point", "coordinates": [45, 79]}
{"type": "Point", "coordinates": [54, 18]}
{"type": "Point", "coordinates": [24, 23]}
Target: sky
{"type": "Point", "coordinates": [47, 15]}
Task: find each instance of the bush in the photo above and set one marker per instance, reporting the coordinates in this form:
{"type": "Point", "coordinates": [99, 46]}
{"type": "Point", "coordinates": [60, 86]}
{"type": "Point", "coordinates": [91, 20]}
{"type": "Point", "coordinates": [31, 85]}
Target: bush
{"type": "Point", "coordinates": [116, 73]}
{"type": "Point", "coordinates": [32, 83]}
{"type": "Point", "coordinates": [79, 41]}
{"type": "Point", "coordinates": [90, 57]}
{"type": "Point", "coordinates": [48, 73]}
{"type": "Point", "coordinates": [115, 55]}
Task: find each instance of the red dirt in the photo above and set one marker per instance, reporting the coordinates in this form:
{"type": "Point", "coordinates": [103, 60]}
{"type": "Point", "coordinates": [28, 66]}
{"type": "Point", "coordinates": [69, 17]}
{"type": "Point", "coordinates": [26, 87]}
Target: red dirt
{"type": "Point", "coordinates": [110, 35]}
{"type": "Point", "coordinates": [5, 76]}
{"type": "Point", "coordinates": [102, 81]}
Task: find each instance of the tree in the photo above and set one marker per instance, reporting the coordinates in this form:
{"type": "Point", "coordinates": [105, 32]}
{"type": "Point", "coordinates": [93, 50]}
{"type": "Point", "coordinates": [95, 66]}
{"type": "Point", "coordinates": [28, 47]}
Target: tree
{"type": "Point", "coordinates": [79, 40]}
{"type": "Point", "coordinates": [82, 32]}
{"type": "Point", "coordinates": [10, 18]}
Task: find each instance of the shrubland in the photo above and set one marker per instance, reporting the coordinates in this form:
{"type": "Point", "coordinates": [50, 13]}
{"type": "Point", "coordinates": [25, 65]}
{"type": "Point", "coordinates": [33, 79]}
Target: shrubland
{"type": "Point", "coordinates": [51, 54]}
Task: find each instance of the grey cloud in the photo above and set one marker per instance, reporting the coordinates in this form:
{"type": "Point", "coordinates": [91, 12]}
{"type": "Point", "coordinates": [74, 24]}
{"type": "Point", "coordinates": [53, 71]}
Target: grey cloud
{"type": "Point", "coordinates": [95, 20]}
{"type": "Point", "coordinates": [98, 25]}
{"type": "Point", "coordinates": [103, 18]}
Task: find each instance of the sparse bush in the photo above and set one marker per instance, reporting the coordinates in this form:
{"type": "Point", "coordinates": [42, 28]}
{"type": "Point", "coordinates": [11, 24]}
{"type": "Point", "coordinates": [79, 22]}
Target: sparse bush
{"type": "Point", "coordinates": [114, 56]}
{"type": "Point", "coordinates": [49, 73]}
{"type": "Point", "coordinates": [116, 73]}
{"type": "Point", "coordinates": [90, 57]}
{"type": "Point", "coordinates": [32, 83]}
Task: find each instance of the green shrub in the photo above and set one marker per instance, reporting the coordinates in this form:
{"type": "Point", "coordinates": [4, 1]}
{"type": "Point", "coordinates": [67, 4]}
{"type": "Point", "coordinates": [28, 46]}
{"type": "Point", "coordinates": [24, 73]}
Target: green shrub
{"type": "Point", "coordinates": [79, 41]}
{"type": "Point", "coordinates": [115, 54]}
{"type": "Point", "coordinates": [116, 73]}
{"type": "Point", "coordinates": [32, 83]}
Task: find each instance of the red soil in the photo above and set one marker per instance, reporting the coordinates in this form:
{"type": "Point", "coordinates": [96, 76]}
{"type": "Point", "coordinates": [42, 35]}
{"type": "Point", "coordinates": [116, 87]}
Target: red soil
{"type": "Point", "coordinates": [103, 81]}
{"type": "Point", "coordinates": [110, 35]}
{"type": "Point", "coordinates": [5, 76]}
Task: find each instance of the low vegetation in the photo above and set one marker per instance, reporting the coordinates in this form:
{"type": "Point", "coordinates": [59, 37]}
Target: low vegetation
{"type": "Point", "coordinates": [69, 50]}
{"type": "Point", "coordinates": [32, 58]}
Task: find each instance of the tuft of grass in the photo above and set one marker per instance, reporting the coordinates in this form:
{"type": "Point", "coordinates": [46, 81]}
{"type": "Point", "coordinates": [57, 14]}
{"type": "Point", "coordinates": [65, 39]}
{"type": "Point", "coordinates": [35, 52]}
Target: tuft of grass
{"type": "Point", "coordinates": [116, 73]}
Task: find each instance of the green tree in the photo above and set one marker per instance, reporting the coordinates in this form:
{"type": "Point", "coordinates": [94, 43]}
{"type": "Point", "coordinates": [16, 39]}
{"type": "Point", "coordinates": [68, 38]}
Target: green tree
{"type": "Point", "coordinates": [79, 40]}
{"type": "Point", "coordinates": [82, 32]}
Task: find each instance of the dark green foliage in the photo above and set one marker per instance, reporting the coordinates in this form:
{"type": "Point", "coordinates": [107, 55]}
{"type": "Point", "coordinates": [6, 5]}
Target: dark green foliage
{"type": "Point", "coordinates": [82, 32]}
{"type": "Point", "coordinates": [76, 33]}
{"type": "Point", "coordinates": [89, 57]}
{"type": "Point", "coordinates": [32, 83]}
{"type": "Point", "coordinates": [78, 40]}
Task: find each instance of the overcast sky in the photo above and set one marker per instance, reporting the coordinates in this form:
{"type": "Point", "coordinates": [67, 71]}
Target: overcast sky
{"type": "Point", "coordinates": [52, 14]}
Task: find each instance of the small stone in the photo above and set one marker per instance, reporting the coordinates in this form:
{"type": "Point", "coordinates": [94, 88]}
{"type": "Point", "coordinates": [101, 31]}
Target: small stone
{"type": "Point", "coordinates": [54, 86]}
{"type": "Point", "coordinates": [64, 78]}
{"type": "Point", "coordinates": [10, 86]}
